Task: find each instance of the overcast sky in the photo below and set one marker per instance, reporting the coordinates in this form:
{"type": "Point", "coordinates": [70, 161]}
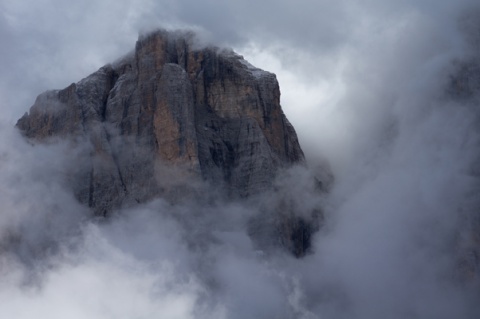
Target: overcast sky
{"type": "Point", "coordinates": [324, 53]}
{"type": "Point", "coordinates": [363, 83]}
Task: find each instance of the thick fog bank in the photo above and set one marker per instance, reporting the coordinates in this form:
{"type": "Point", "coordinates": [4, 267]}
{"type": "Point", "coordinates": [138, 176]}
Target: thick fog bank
{"type": "Point", "coordinates": [386, 93]}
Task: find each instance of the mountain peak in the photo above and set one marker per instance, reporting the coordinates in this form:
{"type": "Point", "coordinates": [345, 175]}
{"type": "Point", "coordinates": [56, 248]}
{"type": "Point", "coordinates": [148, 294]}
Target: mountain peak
{"type": "Point", "coordinates": [172, 113]}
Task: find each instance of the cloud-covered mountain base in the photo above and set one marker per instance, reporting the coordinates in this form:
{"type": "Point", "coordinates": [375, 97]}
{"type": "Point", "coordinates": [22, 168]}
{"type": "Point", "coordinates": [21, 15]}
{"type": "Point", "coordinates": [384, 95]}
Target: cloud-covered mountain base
{"type": "Point", "coordinates": [389, 246]}
{"type": "Point", "coordinates": [400, 235]}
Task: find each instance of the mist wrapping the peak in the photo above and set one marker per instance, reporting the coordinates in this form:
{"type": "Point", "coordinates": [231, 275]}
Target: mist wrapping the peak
{"type": "Point", "coordinates": [386, 95]}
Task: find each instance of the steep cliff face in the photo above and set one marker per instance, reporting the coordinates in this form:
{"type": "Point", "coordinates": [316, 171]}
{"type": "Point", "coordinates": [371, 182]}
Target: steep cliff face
{"type": "Point", "coordinates": [167, 115]}
{"type": "Point", "coordinates": [171, 105]}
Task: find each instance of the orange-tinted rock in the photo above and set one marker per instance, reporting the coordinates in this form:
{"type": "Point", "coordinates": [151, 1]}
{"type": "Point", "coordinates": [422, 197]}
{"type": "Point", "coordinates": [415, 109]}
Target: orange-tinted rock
{"type": "Point", "coordinates": [204, 113]}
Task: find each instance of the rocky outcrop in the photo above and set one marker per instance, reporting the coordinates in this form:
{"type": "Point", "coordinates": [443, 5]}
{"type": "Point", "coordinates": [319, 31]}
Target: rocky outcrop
{"type": "Point", "coordinates": [203, 112]}
{"type": "Point", "coordinates": [169, 114]}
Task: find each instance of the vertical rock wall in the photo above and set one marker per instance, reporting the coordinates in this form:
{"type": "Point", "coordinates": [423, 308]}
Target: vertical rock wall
{"type": "Point", "coordinates": [166, 114]}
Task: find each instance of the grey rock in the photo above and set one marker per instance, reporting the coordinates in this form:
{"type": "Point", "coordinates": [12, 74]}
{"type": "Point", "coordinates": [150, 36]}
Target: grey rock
{"type": "Point", "coordinates": [167, 115]}
{"type": "Point", "coordinates": [205, 111]}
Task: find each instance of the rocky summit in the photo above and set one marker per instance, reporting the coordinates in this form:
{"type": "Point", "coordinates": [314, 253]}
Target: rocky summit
{"type": "Point", "coordinates": [170, 113]}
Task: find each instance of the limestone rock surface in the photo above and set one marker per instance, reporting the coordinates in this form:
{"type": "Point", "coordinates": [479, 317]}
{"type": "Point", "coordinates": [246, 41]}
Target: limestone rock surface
{"type": "Point", "coordinates": [169, 112]}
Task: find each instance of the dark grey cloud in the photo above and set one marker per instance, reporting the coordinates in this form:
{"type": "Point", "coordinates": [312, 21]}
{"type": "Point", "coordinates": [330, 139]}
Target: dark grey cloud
{"type": "Point", "coordinates": [364, 85]}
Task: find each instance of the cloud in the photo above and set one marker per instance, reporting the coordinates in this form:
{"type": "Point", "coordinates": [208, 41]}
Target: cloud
{"type": "Point", "coordinates": [364, 86]}
{"type": "Point", "coordinates": [101, 281]}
